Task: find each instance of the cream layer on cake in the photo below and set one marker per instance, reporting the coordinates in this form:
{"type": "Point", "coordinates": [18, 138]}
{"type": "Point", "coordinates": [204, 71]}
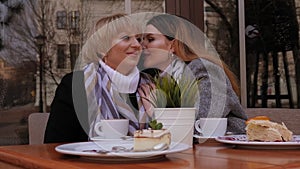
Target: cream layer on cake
{"type": "Point", "coordinates": [265, 130]}
{"type": "Point", "coordinates": [145, 140]}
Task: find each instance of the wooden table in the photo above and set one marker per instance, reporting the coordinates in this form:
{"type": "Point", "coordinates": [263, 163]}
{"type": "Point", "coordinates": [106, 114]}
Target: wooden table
{"type": "Point", "coordinates": [208, 155]}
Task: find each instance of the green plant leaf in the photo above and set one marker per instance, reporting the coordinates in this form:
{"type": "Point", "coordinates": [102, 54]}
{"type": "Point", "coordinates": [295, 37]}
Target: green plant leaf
{"type": "Point", "coordinates": [154, 125]}
{"type": "Point", "coordinates": [171, 93]}
{"type": "Point", "coordinates": [158, 126]}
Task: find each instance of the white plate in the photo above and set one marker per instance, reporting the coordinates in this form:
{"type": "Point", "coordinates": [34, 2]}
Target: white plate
{"type": "Point", "coordinates": [81, 147]}
{"type": "Point", "coordinates": [105, 139]}
{"type": "Point", "coordinates": [241, 141]}
{"type": "Point", "coordinates": [203, 137]}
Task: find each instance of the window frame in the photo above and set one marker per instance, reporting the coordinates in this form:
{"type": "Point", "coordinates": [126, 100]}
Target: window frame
{"type": "Point", "coordinates": [61, 56]}
{"type": "Point", "coordinates": [61, 19]}
{"type": "Point", "coordinates": [74, 19]}
{"type": "Point", "coordinates": [74, 53]}
{"type": "Point", "coordinates": [242, 46]}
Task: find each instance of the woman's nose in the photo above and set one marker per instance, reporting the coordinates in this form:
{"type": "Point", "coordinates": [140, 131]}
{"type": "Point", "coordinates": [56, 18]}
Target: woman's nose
{"type": "Point", "coordinates": [144, 44]}
{"type": "Point", "coordinates": [135, 43]}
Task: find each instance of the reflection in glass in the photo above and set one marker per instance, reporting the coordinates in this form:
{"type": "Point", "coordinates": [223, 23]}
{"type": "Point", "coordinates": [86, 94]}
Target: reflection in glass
{"type": "Point", "coordinates": [272, 52]}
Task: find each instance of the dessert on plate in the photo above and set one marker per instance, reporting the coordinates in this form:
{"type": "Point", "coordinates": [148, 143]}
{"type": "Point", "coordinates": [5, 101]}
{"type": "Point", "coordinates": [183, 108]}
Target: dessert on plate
{"type": "Point", "coordinates": [146, 139]}
{"type": "Point", "coordinates": [260, 128]}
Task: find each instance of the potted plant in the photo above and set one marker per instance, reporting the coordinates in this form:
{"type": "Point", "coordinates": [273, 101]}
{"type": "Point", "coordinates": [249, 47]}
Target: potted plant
{"type": "Point", "coordinates": [170, 93]}
{"type": "Point", "coordinates": [174, 106]}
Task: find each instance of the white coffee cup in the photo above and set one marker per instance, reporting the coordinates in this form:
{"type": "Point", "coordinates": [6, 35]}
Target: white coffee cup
{"type": "Point", "coordinates": [112, 128]}
{"type": "Point", "coordinates": [211, 127]}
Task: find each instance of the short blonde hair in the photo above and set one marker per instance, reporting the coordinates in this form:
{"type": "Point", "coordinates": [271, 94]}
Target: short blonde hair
{"type": "Point", "coordinates": [100, 42]}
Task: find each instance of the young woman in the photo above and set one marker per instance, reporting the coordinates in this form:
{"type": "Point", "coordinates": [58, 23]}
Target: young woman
{"type": "Point", "coordinates": [106, 72]}
{"type": "Point", "coordinates": [174, 45]}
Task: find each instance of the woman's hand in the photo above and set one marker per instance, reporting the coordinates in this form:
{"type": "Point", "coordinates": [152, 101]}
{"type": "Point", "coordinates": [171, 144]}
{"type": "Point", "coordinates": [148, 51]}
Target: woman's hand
{"type": "Point", "coordinates": [146, 92]}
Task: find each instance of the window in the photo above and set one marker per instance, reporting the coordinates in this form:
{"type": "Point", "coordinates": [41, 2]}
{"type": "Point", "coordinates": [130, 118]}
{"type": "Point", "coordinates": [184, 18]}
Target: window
{"type": "Point", "coordinates": [61, 19]}
{"type": "Point", "coordinates": [61, 57]}
{"type": "Point", "coordinates": [74, 20]}
{"type": "Point", "coordinates": [74, 49]}
{"type": "Point", "coordinates": [269, 40]}
{"type": "Point", "coordinates": [267, 44]}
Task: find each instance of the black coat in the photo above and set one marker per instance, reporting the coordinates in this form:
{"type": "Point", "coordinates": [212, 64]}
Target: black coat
{"type": "Point", "coordinates": [68, 120]}
{"type": "Point", "coordinates": [69, 105]}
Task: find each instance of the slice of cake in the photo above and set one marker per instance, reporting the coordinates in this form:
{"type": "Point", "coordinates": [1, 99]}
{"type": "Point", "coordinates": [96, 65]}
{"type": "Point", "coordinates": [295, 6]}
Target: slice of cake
{"type": "Point", "coordinates": [266, 130]}
{"type": "Point", "coordinates": [145, 140]}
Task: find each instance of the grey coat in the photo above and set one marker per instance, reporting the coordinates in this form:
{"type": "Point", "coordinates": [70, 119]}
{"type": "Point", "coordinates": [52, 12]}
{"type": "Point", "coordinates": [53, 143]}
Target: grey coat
{"type": "Point", "coordinates": [217, 98]}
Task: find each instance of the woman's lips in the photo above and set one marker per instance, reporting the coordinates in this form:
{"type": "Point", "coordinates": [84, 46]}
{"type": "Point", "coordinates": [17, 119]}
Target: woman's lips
{"type": "Point", "coordinates": [136, 53]}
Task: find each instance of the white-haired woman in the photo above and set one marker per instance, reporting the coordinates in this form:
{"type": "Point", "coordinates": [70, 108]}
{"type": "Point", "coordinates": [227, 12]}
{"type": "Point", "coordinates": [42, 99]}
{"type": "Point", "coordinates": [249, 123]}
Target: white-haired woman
{"type": "Point", "coordinates": [106, 71]}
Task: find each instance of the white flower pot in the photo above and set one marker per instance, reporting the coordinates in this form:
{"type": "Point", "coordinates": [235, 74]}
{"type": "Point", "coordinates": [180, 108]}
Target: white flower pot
{"type": "Point", "coordinates": [179, 121]}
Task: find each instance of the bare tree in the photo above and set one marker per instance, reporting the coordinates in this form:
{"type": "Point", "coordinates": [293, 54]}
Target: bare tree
{"type": "Point", "coordinates": [226, 31]}
{"type": "Point", "coordinates": [39, 18]}
{"type": "Point", "coordinates": [35, 19]}
{"type": "Point", "coordinates": [8, 11]}
{"type": "Point", "coordinates": [78, 26]}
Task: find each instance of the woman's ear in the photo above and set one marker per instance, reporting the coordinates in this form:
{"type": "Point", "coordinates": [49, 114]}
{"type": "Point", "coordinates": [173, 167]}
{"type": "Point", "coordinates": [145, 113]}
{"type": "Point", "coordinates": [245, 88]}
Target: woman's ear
{"type": "Point", "coordinates": [101, 55]}
{"type": "Point", "coordinates": [172, 45]}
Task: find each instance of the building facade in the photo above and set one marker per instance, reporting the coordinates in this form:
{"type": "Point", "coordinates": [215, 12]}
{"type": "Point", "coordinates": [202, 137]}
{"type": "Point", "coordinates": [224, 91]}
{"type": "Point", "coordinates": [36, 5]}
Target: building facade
{"type": "Point", "coordinates": [73, 22]}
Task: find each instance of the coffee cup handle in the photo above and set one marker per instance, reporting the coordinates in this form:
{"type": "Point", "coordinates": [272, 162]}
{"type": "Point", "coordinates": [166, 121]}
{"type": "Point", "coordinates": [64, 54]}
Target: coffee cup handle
{"type": "Point", "coordinates": [197, 124]}
{"type": "Point", "coordinates": [98, 129]}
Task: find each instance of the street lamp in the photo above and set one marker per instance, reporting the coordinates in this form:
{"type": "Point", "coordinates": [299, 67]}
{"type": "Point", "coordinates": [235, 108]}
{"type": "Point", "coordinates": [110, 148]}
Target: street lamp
{"type": "Point", "coordinates": [40, 41]}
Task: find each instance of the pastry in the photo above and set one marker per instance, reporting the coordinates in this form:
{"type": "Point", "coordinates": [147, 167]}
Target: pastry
{"type": "Point", "coordinates": [145, 140]}
{"type": "Point", "coordinates": [262, 129]}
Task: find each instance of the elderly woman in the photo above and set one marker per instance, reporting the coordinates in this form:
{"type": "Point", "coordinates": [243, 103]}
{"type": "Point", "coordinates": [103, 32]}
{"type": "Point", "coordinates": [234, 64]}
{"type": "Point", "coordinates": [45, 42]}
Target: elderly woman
{"type": "Point", "coordinates": [105, 71]}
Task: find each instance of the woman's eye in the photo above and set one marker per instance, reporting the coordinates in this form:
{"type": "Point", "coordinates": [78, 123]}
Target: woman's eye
{"type": "Point", "coordinates": [150, 39]}
{"type": "Point", "coordinates": [125, 37]}
{"type": "Point", "coordinates": [139, 38]}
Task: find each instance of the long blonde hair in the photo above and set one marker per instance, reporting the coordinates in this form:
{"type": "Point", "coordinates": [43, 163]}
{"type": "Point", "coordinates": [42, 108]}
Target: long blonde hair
{"type": "Point", "coordinates": [189, 42]}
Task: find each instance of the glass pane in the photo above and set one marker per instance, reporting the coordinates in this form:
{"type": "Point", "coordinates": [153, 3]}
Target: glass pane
{"type": "Point", "coordinates": [61, 57]}
{"type": "Point", "coordinates": [74, 52]}
{"type": "Point", "coordinates": [74, 19]}
{"type": "Point", "coordinates": [221, 27]}
{"type": "Point", "coordinates": [272, 49]}
{"type": "Point", "coordinates": [272, 66]}
{"type": "Point", "coordinates": [61, 19]}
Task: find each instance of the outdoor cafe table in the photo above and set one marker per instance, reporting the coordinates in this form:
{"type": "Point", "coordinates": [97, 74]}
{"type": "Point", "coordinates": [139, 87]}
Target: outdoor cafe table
{"type": "Point", "coordinates": [208, 155]}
